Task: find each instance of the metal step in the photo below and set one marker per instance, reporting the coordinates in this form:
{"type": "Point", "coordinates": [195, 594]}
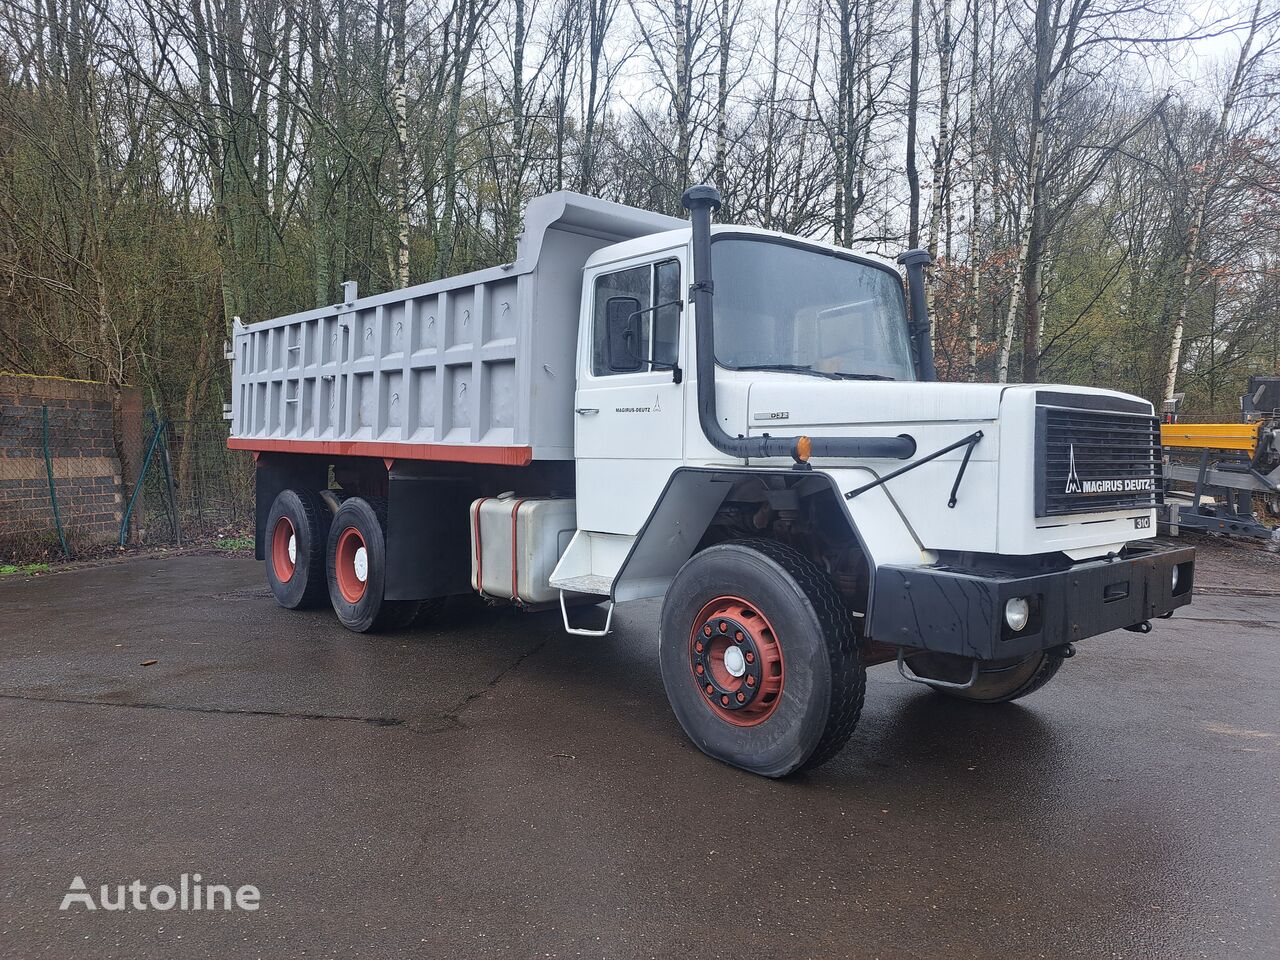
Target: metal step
{"type": "Point", "coordinates": [587, 583]}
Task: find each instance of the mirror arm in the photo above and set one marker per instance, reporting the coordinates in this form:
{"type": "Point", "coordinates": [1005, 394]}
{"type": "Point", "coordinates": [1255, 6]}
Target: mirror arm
{"type": "Point", "coordinates": [677, 375]}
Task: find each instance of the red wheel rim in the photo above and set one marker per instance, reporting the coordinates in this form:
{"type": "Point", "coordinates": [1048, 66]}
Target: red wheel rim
{"type": "Point", "coordinates": [350, 547]}
{"type": "Point", "coordinates": [281, 562]}
{"type": "Point", "coordinates": [736, 661]}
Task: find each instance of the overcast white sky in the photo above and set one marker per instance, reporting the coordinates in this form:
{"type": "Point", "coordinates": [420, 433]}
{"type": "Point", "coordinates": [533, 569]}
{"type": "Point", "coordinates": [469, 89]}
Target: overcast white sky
{"type": "Point", "coordinates": [1191, 64]}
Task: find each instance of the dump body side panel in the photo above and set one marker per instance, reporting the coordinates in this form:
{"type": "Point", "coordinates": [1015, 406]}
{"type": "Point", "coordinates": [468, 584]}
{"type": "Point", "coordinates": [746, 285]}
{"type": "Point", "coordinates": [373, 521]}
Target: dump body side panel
{"type": "Point", "coordinates": [476, 368]}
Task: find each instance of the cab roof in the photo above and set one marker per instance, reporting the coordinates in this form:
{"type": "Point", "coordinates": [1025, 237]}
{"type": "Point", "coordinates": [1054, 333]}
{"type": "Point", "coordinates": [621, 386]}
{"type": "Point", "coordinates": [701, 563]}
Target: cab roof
{"type": "Point", "coordinates": [671, 239]}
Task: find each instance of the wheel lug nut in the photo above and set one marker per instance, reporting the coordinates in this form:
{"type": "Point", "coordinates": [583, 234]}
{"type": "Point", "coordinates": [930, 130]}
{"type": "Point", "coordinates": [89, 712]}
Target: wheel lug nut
{"type": "Point", "coordinates": [698, 668]}
{"type": "Point", "coordinates": [724, 627]}
{"type": "Point", "coordinates": [738, 636]}
{"type": "Point", "coordinates": [698, 646]}
{"type": "Point", "coordinates": [751, 681]}
{"type": "Point", "coordinates": [707, 630]}
{"type": "Point", "coordinates": [724, 700]}
{"type": "Point", "coordinates": [710, 690]}
{"type": "Point", "coordinates": [750, 657]}
{"type": "Point", "coordinates": [742, 697]}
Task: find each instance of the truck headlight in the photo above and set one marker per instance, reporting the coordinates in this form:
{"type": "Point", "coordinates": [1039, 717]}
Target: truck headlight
{"type": "Point", "coordinates": [1016, 613]}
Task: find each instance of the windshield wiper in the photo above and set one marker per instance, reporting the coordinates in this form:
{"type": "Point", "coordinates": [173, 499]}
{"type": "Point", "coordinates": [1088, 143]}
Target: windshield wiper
{"type": "Point", "coordinates": [826, 374]}
{"type": "Point", "coordinates": [791, 368]}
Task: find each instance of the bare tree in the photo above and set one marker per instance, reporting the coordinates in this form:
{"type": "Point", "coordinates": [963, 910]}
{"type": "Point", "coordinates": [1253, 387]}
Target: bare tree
{"type": "Point", "coordinates": [1207, 174]}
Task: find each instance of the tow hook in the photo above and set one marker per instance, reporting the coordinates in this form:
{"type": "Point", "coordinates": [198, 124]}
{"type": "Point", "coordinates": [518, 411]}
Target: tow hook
{"type": "Point", "coordinates": [1143, 627]}
{"type": "Point", "coordinates": [1066, 651]}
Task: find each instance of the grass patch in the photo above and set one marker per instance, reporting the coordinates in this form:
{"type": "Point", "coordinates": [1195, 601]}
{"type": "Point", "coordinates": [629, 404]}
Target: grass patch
{"type": "Point", "coordinates": [234, 543]}
{"type": "Point", "coordinates": [26, 569]}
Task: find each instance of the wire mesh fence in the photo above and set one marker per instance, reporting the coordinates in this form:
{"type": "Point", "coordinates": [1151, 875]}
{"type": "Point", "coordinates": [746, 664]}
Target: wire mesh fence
{"type": "Point", "coordinates": [195, 488]}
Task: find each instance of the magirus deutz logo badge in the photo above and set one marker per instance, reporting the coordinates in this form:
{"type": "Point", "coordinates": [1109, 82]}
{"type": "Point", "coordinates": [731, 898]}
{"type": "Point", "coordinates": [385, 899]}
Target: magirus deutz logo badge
{"type": "Point", "coordinates": [1090, 487]}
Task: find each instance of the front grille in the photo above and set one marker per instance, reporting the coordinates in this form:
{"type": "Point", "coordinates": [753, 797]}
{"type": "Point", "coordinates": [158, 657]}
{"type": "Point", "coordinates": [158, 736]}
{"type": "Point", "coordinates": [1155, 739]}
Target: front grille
{"type": "Point", "coordinates": [1095, 461]}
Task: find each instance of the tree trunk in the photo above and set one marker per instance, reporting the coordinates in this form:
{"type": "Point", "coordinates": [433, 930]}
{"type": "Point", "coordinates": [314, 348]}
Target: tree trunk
{"type": "Point", "coordinates": [321, 193]}
{"type": "Point", "coordinates": [1024, 243]}
{"type": "Point", "coordinates": [518, 134]}
{"type": "Point", "coordinates": [683, 93]}
{"type": "Point", "coordinates": [940, 153]}
{"type": "Point", "coordinates": [844, 152]}
{"type": "Point", "coordinates": [975, 208]}
{"type": "Point", "coordinates": [465, 30]}
{"type": "Point", "coordinates": [810, 106]}
{"type": "Point", "coordinates": [600, 13]}
{"type": "Point", "coordinates": [722, 98]}
{"type": "Point", "coordinates": [400, 97]}
{"type": "Point", "coordinates": [1033, 321]}
{"type": "Point", "coordinates": [192, 398]}
{"type": "Point", "coordinates": [1203, 186]}
{"type": "Point", "coordinates": [913, 109]}
{"type": "Point", "coordinates": [770, 125]}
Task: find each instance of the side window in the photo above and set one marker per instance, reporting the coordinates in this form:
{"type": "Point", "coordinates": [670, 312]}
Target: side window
{"type": "Point", "coordinates": [657, 288]}
{"type": "Point", "coordinates": [636, 282]}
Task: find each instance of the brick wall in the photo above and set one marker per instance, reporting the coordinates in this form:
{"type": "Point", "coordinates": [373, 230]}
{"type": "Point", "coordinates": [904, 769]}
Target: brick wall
{"type": "Point", "coordinates": [88, 426]}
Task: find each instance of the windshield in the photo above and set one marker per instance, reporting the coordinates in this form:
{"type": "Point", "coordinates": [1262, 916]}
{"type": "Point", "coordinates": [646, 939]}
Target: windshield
{"type": "Point", "coordinates": [785, 307]}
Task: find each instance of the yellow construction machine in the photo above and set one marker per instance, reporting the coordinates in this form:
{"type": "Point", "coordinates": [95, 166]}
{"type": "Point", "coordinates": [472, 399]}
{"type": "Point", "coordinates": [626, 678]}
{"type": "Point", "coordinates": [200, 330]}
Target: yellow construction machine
{"type": "Point", "coordinates": [1232, 470]}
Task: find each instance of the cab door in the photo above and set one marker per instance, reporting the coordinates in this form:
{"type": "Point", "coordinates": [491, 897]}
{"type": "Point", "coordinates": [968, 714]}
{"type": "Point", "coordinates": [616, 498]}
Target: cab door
{"type": "Point", "coordinates": [628, 410]}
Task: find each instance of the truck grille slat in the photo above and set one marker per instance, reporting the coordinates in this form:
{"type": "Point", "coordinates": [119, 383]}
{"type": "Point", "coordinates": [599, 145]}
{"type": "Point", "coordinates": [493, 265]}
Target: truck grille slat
{"type": "Point", "coordinates": [1092, 461]}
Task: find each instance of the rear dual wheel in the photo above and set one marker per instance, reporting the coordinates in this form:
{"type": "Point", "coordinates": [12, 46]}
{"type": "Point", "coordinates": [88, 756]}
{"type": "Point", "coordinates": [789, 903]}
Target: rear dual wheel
{"type": "Point", "coordinates": [297, 531]}
{"type": "Point", "coordinates": [759, 658]}
{"type": "Point", "coordinates": [357, 569]}
{"type": "Point", "coordinates": [314, 554]}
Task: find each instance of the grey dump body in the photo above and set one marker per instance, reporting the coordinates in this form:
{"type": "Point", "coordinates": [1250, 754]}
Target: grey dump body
{"type": "Point", "coordinates": [485, 359]}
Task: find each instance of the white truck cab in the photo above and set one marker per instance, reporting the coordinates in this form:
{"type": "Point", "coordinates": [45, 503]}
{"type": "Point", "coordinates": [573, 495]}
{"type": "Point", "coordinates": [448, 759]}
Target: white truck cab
{"type": "Point", "coordinates": [743, 423]}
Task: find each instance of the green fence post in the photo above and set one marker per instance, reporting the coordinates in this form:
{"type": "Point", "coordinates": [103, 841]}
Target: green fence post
{"type": "Point", "coordinates": [168, 481]}
{"type": "Point", "coordinates": [142, 477]}
{"type": "Point", "coordinates": [53, 495]}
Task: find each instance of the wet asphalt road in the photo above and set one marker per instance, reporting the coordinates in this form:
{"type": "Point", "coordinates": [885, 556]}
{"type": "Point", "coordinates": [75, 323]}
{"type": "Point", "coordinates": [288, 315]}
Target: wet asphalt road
{"type": "Point", "coordinates": [491, 787]}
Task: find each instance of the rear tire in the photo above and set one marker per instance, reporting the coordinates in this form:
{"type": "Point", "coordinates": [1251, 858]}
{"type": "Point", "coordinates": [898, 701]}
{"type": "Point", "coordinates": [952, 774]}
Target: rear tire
{"type": "Point", "coordinates": [759, 658]}
{"type": "Point", "coordinates": [999, 681]}
{"type": "Point", "coordinates": [357, 569]}
{"type": "Point", "coordinates": [297, 530]}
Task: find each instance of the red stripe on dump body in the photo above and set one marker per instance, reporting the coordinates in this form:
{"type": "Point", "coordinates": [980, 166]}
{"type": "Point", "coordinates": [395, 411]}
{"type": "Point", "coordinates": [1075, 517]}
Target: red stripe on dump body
{"type": "Point", "coordinates": [515, 456]}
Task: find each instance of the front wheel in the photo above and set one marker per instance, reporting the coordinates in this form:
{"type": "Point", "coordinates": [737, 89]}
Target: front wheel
{"type": "Point", "coordinates": [759, 658]}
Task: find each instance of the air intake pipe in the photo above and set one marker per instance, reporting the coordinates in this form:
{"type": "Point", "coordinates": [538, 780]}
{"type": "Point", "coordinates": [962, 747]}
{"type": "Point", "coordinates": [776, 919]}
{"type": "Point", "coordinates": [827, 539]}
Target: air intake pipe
{"type": "Point", "coordinates": [915, 261]}
{"type": "Point", "coordinates": [701, 201]}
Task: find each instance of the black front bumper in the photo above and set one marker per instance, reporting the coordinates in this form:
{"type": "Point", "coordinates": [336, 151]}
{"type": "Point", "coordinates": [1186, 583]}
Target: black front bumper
{"type": "Point", "coordinates": [960, 610]}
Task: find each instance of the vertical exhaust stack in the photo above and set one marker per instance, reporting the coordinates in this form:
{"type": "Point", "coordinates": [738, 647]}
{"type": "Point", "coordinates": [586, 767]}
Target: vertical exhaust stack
{"type": "Point", "coordinates": [915, 261]}
{"type": "Point", "coordinates": [701, 201]}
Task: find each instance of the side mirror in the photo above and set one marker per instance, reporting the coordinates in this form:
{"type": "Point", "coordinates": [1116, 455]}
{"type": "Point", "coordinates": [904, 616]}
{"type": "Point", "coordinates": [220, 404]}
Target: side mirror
{"type": "Point", "coordinates": [622, 334]}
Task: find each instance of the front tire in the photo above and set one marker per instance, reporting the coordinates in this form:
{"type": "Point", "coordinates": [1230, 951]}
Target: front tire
{"type": "Point", "coordinates": [357, 569]}
{"type": "Point", "coordinates": [759, 658]}
{"type": "Point", "coordinates": [296, 531]}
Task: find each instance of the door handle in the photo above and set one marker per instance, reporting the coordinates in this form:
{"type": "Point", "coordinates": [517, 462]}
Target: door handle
{"type": "Point", "coordinates": [586, 411]}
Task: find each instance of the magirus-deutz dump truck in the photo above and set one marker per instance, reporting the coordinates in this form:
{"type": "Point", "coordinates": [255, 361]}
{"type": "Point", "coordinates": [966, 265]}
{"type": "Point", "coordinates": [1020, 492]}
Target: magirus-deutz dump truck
{"type": "Point", "coordinates": [743, 423]}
